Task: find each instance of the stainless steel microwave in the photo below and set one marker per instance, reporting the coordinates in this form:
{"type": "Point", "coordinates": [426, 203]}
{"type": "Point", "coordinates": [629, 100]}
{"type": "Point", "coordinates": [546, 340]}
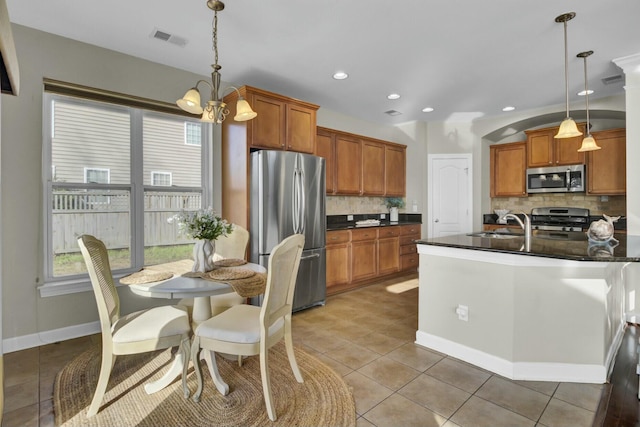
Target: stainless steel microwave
{"type": "Point", "coordinates": [560, 179]}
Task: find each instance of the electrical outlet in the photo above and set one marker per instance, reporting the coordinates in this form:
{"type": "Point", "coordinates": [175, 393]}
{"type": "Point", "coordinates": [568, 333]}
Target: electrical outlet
{"type": "Point", "coordinates": [349, 217]}
{"type": "Point", "coordinates": [463, 312]}
{"type": "Point", "coordinates": [383, 216]}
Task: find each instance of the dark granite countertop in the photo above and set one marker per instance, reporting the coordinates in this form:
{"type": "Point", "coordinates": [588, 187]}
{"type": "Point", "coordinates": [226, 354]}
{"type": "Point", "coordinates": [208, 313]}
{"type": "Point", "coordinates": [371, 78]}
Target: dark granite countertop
{"type": "Point", "coordinates": [341, 222]}
{"type": "Point", "coordinates": [570, 245]}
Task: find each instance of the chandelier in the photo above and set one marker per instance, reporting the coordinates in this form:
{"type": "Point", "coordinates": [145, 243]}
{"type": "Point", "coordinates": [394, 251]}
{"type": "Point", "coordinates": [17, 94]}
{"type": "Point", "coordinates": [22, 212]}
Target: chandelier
{"type": "Point", "coordinates": [215, 111]}
{"type": "Point", "coordinates": [568, 128]}
{"type": "Point", "coordinates": [589, 142]}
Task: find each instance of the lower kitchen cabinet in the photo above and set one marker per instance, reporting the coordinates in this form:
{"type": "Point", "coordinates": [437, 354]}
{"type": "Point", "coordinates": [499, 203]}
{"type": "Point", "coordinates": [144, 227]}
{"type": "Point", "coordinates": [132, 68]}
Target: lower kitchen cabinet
{"type": "Point", "coordinates": [364, 253]}
{"type": "Point", "coordinates": [338, 253]}
{"type": "Point", "coordinates": [388, 250]}
{"type": "Point", "coordinates": [408, 250]}
{"type": "Point", "coordinates": [357, 257]}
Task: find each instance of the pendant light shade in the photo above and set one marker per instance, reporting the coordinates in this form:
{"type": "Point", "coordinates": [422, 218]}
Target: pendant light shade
{"type": "Point", "coordinates": [589, 142]}
{"type": "Point", "coordinates": [568, 128]}
{"type": "Point", "coordinates": [243, 111]}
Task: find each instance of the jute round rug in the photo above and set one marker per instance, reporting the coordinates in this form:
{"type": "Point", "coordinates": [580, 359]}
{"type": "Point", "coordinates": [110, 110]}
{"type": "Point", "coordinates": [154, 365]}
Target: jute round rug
{"type": "Point", "coordinates": [323, 399]}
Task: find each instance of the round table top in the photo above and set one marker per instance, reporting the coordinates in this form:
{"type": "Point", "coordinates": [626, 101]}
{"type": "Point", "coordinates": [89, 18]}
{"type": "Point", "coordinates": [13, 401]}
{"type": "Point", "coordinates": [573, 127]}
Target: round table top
{"type": "Point", "coordinates": [187, 287]}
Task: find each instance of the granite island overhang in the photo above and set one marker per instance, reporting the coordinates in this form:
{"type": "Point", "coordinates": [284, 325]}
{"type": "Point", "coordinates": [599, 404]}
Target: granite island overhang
{"type": "Point", "coordinates": [554, 313]}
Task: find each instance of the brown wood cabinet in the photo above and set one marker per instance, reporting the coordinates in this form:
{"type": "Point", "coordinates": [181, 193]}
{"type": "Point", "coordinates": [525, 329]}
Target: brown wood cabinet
{"type": "Point", "coordinates": [508, 167]}
{"type": "Point", "coordinates": [358, 165]}
{"type": "Point", "coordinates": [545, 150]}
{"type": "Point", "coordinates": [388, 250]}
{"type": "Point", "coordinates": [282, 123]}
{"type": "Point", "coordinates": [606, 168]}
{"type": "Point", "coordinates": [373, 158]}
{"type": "Point", "coordinates": [338, 253]}
{"type": "Point", "coordinates": [325, 147]}
{"type": "Point", "coordinates": [359, 256]}
{"type": "Point", "coordinates": [395, 170]}
{"type": "Point", "coordinates": [364, 253]}
{"type": "Point", "coordinates": [408, 250]}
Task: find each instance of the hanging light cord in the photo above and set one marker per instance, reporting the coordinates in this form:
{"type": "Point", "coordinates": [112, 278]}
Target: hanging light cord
{"type": "Point", "coordinates": [214, 37]}
{"type": "Point", "coordinates": [586, 94]}
{"type": "Point", "coordinates": [566, 68]}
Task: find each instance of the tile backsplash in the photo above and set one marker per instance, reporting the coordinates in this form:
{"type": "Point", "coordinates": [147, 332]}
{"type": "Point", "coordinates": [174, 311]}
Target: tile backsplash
{"type": "Point", "coordinates": [343, 205]}
{"type": "Point", "coordinates": [613, 205]}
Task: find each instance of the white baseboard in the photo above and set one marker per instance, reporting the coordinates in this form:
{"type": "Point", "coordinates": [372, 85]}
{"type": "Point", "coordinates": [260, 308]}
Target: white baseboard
{"type": "Point", "coordinates": [48, 337]}
{"type": "Point", "coordinates": [528, 371]}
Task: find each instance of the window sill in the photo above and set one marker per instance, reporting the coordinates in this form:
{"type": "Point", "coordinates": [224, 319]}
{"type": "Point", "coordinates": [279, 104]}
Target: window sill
{"type": "Point", "coordinates": [73, 286]}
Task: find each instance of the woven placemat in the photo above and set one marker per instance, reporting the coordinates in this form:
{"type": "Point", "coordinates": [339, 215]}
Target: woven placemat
{"type": "Point", "coordinates": [224, 273]}
{"type": "Point", "coordinates": [245, 287]}
{"type": "Point", "coordinates": [323, 399]}
{"type": "Point", "coordinates": [229, 262]}
{"type": "Point", "coordinates": [145, 276]}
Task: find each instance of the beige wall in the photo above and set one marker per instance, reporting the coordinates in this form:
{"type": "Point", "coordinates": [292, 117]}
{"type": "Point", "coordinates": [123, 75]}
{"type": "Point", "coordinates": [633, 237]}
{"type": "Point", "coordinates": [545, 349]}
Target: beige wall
{"type": "Point", "coordinates": [40, 54]}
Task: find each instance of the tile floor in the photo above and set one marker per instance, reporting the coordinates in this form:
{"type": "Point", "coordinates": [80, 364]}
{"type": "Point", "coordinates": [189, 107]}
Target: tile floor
{"type": "Point", "coordinates": [367, 336]}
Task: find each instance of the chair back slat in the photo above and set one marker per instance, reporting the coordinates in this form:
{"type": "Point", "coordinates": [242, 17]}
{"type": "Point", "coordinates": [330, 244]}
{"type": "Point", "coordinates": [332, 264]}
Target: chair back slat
{"type": "Point", "coordinates": [97, 259]}
{"type": "Point", "coordinates": [234, 245]}
{"type": "Point", "coordinates": [281, 279]}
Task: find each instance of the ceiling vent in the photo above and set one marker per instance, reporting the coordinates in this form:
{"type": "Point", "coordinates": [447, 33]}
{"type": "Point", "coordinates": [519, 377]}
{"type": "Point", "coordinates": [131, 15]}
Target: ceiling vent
{"type": "Point", "coordinates": [166, 37]}
{"type": "Point", "coordinates": [393, 113]}
{"type": "Point", "coordinates": [612, 79]}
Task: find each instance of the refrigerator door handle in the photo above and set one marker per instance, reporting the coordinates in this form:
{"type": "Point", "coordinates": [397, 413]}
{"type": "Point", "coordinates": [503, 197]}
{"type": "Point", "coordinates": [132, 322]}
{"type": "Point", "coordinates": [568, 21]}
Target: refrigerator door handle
{"type": "Point", "coordinates": [296, 201]}
{"type": "Point", "coordinates": [303, 203]}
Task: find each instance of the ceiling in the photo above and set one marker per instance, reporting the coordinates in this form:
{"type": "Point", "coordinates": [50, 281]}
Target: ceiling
{"type": "Point", "coordinates": [464, 58]}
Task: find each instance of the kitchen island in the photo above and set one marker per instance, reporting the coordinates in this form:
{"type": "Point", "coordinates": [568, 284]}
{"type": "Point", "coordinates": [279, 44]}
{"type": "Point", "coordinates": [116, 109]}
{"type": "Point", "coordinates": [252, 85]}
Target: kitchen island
{"type": "Point", "coordinates": [553, 313]}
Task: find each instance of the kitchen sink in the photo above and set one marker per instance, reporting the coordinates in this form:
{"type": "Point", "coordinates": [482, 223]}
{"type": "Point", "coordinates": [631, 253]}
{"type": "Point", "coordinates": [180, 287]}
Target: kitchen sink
{"type": "Point", "coordinates": [494, 235]}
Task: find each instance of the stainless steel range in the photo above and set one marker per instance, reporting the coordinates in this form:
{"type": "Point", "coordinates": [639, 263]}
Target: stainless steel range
{"type": "Point", "coordinates": [559, 219]}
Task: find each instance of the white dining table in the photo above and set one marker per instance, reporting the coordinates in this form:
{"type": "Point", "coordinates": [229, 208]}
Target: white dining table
{"type": "Point", "coordinates": [201, 291]}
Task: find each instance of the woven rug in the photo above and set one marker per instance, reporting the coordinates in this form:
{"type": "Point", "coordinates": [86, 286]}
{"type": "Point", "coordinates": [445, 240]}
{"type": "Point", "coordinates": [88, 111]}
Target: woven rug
{"type": "Point", "coordinates": [323, 399]}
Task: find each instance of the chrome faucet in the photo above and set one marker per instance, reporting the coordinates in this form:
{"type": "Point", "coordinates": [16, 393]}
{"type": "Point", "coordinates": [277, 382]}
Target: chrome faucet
{"type": "Point", "coordinates": [526, 227]}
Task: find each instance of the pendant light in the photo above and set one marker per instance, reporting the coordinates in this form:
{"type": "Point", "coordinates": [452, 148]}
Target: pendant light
{"type": "Point", "coordinates": [215, 110]}
{"type": "Point", "coordinates": [568, 128]}
{"type": "Point", "coordinates": [589, 142]}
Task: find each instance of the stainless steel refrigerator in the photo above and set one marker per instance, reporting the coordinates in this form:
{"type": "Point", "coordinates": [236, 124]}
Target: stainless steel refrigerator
{"type": "Point", "coordinates": [288, 197]}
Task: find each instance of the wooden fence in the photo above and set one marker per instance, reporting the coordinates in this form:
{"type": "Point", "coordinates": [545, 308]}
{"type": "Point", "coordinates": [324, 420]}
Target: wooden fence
{"type": "Point", "coordinates": [107, 215]}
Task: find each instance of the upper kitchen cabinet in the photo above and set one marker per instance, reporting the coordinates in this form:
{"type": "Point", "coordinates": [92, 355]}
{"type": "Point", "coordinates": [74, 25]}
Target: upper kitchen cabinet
{"type": "Point", "coordinates": [373, 156]}
{"type": "Point", "coordinates": [545, 150]}
{"type": "Point", "coordinates": [606, 168]}
{"type": "Point", "coordinates": [358, 165]}
{"type": "Point", "coordinates": [348, 168]}
{"type": "Point", "coordinates": [282, 123]}
{"type": "Point", "coordinates": [325, 147]}
{"type": "Point", "coordinates": [395, 170]}
{"type": "Point", "coordinates": [508, 166]}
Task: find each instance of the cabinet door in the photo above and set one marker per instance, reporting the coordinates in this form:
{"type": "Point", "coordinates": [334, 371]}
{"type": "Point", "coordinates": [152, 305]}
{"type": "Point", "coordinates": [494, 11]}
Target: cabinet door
{"type": "Point", "coordinates": [372, 168]}
{"type": "Point", "coordinates": [606, 168]}
{"type": "Point", "coordinates": [363, 260]}
{"type": "Point", "coordinates": [348, 165]}
{"type": "Point", "coordinates": [268, 128]}
{"type": "Point", "coordinates": [540, 148]}
{"type": "Point", "coordinates": [338, 264]}
{"type": "Point", "coordinates": [395, 171]}
{"type": "Point", "coordinates": [325, 148]}
{"type": "Point", "coordinates": [566, 150]}
{"type": "Point", "coordinates": [388, 255]}
{"type": "Point", "coordinates": [301, 128]}
{"type": "Point", "coordinates": [508, 170]}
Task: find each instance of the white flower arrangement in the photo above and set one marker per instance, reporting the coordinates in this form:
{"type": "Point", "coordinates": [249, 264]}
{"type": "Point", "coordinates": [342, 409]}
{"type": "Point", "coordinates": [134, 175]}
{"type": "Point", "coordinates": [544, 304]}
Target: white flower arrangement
{"type": "Point", "coordinates": [202, 224]}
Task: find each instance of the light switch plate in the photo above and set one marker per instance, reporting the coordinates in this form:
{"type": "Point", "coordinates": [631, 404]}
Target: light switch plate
{"type": "Point", "coordinates": [383, 216]}
{"type": "Point", "coordinates": [349, 217]}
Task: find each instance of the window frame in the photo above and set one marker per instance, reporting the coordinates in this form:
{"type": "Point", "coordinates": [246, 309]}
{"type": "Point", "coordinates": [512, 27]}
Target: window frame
{"type": "Point", "coordinates": [187, 140]}
{"type": "Point", "coordinates": [60, 285]}
{"type": "Point", "coordinates": [161, 173]}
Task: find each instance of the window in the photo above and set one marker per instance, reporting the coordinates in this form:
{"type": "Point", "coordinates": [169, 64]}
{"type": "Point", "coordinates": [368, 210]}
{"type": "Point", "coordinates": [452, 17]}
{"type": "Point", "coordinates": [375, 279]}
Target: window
{"type": "Point", "coordinates": [192, 133]}
{"type": "Point", "coordinates": [161, 178]}
{"type": "Point", "coordinates": [118, 172]}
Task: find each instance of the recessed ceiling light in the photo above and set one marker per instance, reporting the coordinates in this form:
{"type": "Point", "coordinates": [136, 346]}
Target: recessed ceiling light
{"type": "Point", "coordinates": [427, 109]}
{"type": "Point", "coordinates": [583, 93]}
{"type": "Point", "coordinates": [393, 96]}
{"type": "Point", "coordinates": [340, 75]}
{"type": "Point", "coordinates": [508, 108]}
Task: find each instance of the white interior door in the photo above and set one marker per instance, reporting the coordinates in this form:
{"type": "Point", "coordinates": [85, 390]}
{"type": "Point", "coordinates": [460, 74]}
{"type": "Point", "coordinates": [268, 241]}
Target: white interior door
{"type": "Point", "coordinates": [450, 194]}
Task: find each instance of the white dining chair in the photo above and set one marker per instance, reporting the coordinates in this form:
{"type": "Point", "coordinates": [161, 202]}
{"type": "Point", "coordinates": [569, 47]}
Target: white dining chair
{"type": "Point", "coordinates": [139, 332]}
{"type": "Point", "coordinates": [249, 330]}
{"type": "Point", "coordinates": [232, 246]}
